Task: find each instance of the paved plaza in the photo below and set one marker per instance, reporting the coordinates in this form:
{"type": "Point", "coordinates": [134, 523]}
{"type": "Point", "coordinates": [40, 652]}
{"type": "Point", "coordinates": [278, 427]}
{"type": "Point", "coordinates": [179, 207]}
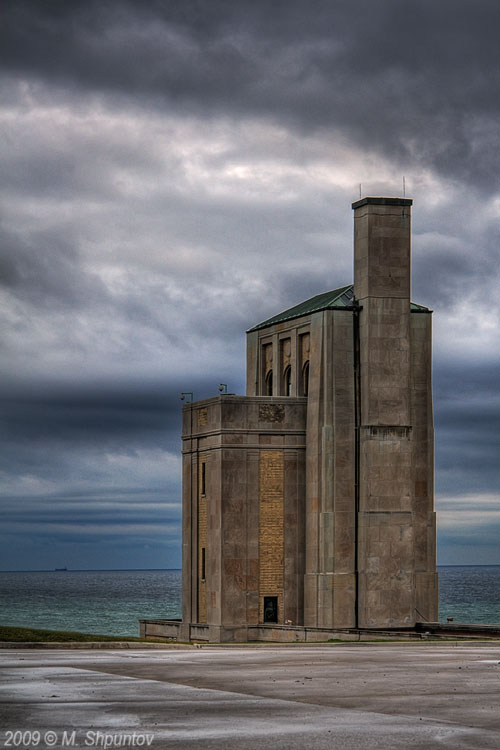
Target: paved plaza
{"type": "Point", "coordinates": [435, 695]}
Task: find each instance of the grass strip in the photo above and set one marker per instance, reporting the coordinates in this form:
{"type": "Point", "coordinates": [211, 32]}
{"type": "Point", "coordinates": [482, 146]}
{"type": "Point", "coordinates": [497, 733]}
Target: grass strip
{"type": "Point", "coordinates": [30, 635]}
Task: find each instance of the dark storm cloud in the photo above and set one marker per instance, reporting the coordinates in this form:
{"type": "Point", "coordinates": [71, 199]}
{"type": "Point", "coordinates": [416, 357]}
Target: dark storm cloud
{"type": "Point", "coordinates": [123, 417]}
{"type": "Point", "coordinates": [421, 81]}
{"type": "Point", "coordinates": [45, 269]}
{"type": "Point", "coordinates": [83, 467]}
{"type": "Point", "coordinates": [467, 416]}
{"type": "Point", "coordinates": [174, 173]}
{"type": "Point", "coordinates": [456, 254]}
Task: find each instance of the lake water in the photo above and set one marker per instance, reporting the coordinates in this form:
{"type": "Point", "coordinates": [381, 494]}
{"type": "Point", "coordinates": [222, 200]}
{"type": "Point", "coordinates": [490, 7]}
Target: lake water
{"type": "Point", "coordinates": [110, 602]}
{"type": "Point", "coordinates": [105, 602]}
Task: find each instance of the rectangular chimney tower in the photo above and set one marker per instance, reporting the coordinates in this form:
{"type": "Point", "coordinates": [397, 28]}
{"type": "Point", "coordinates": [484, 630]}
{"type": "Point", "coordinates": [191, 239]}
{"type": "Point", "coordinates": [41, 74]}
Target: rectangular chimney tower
{"type": "Point", "coordinates": [386, 570]}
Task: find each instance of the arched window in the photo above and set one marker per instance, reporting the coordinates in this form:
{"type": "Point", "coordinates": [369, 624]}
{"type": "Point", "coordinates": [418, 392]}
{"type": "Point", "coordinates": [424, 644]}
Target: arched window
{"type": "Point", "coordinates": [269, 383]}
{"type": "Point", "coordinates": [305, 379]}
{"type": "Point", "coordinates": [287, 381]}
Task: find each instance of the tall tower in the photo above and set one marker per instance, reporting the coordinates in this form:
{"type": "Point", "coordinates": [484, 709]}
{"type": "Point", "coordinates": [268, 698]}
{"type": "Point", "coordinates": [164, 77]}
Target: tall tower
{"type": "Point", "coordinates": [396, 523]}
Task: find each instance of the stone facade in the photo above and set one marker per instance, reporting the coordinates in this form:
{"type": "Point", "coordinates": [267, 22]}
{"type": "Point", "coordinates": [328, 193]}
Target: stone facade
{"type": "Point", "coordinates": [308, 503]}
{"type": "Point", "coordinates": [245, 519]}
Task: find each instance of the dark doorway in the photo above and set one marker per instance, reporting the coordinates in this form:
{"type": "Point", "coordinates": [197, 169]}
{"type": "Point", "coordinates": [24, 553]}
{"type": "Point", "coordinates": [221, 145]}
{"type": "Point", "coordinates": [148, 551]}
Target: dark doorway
{"type": "Point", "coordinates": [270, 609]}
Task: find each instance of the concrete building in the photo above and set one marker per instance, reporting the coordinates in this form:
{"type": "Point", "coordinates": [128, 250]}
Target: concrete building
{"type": "Point", "coordinates": [308, 503]}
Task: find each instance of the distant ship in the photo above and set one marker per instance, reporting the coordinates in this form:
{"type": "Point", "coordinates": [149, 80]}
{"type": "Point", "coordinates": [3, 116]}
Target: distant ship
{"type": "Point", "coordinates": [59, 570]}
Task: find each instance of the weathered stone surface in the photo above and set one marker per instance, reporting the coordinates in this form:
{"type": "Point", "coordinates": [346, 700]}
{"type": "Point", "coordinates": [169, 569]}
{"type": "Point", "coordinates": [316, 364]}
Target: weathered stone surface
{"type": "Point", "coordinates": [320, 480]}
{"type": "Point", "coordinates": [249, 520]}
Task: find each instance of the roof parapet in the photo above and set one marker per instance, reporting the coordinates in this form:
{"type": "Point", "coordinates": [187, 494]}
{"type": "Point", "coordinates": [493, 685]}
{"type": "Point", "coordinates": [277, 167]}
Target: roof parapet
{"type": "Point", "coordinates": [370, 201]}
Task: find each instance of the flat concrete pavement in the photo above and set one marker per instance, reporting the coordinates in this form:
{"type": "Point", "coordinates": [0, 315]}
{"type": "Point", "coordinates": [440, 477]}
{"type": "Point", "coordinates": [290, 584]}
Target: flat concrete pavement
{"type": "Point", "coordinates": [305, 698]}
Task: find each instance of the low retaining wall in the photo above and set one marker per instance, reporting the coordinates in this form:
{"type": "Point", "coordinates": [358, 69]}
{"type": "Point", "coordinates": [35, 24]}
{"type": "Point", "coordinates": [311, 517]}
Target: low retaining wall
{"type": "Point", "coordinates": [175, 630]}
{"type": "Point", "coordinates": [447, 629]}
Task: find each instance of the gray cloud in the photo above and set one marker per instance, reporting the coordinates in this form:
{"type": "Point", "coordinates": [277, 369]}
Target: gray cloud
{"type": "Point", "coordinates": [175, 172]}
{"type": "Point", "coordinates": [82, 467]}
{"type": "Point", "coordinates": [421, 82]}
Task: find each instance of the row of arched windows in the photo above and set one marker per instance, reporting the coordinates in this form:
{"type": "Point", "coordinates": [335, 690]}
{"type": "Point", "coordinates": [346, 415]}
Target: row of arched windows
{"type": "Point", "coordinates": [287, 381]}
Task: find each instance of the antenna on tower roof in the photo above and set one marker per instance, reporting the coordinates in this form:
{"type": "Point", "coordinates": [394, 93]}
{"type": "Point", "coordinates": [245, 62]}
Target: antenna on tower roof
{"type": "Point", "coordinates": [404, 187]}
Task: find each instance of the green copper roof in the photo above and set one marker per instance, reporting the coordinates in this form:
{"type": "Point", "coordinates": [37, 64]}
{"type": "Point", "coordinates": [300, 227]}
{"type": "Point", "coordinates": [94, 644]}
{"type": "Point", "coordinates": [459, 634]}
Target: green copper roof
{"type": "Point", "coordinates": [337, 298]}
{"type": "Point", "coordinates": [419, 308]}
{"type": "Point", "coordinates": [334, 300]}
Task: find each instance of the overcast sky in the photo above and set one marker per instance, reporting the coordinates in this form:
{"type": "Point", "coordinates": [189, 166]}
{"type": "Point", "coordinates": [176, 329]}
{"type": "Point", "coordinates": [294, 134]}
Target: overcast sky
{"type": "Point", "coordinates": [174, 172]}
